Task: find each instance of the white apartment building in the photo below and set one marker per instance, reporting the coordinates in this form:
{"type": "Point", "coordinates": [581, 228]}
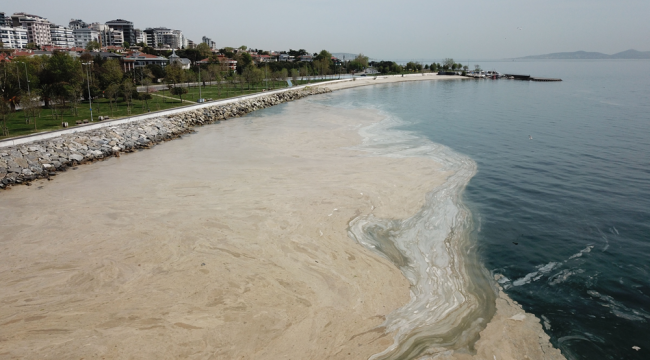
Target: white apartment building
{"type": "Point", "coordinates": [140, 37]}
{"type": "Point", "coordinates": [13, 38]}
{"type": "Point", "coordinates": [164, 37]}
{"type": "Point", "coordinates": [107, 35]}
{"type": "Point", "coordinates": [83, 36]}
{"type": "Point", "coordinates": [180, 41]}
{"type": "Point", "coordinates": [38, 28]}
{"type": "Point", "coordinates": [61, 36]}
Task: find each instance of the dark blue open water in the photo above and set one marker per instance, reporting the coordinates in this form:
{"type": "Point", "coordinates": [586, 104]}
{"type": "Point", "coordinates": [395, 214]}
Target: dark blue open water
{"type": "Point", "coordinates": [575, 199]}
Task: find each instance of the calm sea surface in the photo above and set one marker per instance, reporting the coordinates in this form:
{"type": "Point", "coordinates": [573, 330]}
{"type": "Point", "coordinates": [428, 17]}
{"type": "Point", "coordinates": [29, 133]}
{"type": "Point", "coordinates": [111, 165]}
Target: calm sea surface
{"type": "Point", "coordinates": [563, 217]}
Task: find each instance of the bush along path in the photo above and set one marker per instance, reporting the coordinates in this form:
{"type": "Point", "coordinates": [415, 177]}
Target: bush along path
{"type": "Point", "coordinates": [24, 163]}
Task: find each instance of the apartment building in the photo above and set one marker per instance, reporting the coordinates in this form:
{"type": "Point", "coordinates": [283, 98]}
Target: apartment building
{"type": "Point", "coordinates": [108, 36]}
{"type": "Point", "coordinates": [206, 40]}
{"type": "Point", "coordinates": [13, 38]}
{"type": "Point", "coordinates": [140, 37]}
{"type": "Point", "coordinates": [180, 41]}
{"type": "Point", "coordinates": [75, 24]}
{"type": "Point", "coordinates": [165, 38]}
{"type": "Point", "coordinates": [126, 27]}
{"type": "Point", "coordinates": [2, 20]}
{"type": "Point", "coordinates": [83, 36]}
{"type": "Point", "coordinates": [38, 28]}
{"type": "Point", "coordinates": [61, 36]}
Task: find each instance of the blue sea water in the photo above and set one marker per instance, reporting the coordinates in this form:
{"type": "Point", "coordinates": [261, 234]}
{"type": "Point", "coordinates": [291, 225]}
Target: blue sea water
{"type": "Point", "coordinates": [563, 218]}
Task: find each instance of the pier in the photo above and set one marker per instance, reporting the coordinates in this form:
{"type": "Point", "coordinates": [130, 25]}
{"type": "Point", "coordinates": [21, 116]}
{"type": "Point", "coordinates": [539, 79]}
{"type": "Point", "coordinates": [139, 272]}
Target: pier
{"type": "Point", "coordinates": [530, 78]}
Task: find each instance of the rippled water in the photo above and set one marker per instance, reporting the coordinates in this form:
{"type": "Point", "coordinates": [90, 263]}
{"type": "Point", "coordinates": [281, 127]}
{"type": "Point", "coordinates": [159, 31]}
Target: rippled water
{"type": "Point", "coordinates": [564, 217]}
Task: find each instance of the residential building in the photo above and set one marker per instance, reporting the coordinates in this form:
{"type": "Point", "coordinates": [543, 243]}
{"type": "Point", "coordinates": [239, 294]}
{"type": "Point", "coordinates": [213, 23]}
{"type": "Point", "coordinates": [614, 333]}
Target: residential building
{"type": "Point", "coordinates": [180, 40]}
{"type": "Point", "coordinates": [206, 40]}
{"type": "Point", "coordinates": [164, 38]}
{"type": "Point", "coordinates": [61, 36]}
{"type": "Point", "coordinates": [75, 24]}
{"type": "Point", "coordinates": [190, 44]}
{"type": "Point", "coordinates": [307, 58]}
{"type": "Point", "coordinates": [2, 20]}
{"type": "Point", "coordinates": [38, 28]}
{"type": "Point", "coordinates": [83, 36]}
{"type": "Point", "coordinates": [13, 38]}
{"type": "Point", "coordinates": [140, 37]}
{"type": "Point", "coordinates": [283, 57]}
{"type": "Point", "coordinates": [139, 60]}
{"type": "Point", "coordinates": [126, 27]}
{"type": "Point", "coordinates": [183, 62]}
{"type": "Point", "coordinates": [107, 35]}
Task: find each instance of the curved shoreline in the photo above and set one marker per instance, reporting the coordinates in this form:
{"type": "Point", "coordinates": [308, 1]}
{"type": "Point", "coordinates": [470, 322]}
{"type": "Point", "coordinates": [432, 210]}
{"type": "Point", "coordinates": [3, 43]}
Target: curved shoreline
{"type": "Point", "coordinates": [509, 318]}
{"type": "Point", "coordinates": [455, 307]}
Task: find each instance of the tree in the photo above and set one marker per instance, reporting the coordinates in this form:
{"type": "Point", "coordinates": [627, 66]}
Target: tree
{"type": "Point", "coordinates": [249, 75]}
{"type": "Point", "coordinates": [31, 46]}
{"type": "Point", "coordinates": [126, 45]}
{"type": "Point", "coordinates": [9, 86]}
{"type": "Point", "coordinates": [146, 96]}
{"type": "Point", "coordinates": [413, 66]}
{"type": "Point", "coordinates": [31, 107]}
{"type": "Point", "coordinates": [477, 68]}
{"type": "Point", "coordinates": [111, 93]}
{"type": "Point", "coordinates": [127, 92]}
{"type": "Point", "coordinates": [174, 74]}
{"type": "Point", "coordinates": [111, 73]}
{"type": "Point", "coordinates": [204, 50]}
{"type": "Point", "coordinates": [60, 75]}
{"type": "Point", "coordinates": [362, 60]}
{"type": "Point", "coordinates": [324, 54]}
{"type": "Point", "coordinates": [157, 71]}
{"type": "Point", "coordinates": [296, 53]}
{"type": "Point", "coordinates": [245, 59]}
{"type": "Point", "coordinates": [177, 90]}
{"type": "Point", "coordinates": [294, 76]}
{"type": "Point", "coordinates": [92, 45]}
{"type": "Point", "coordinates": [449, 63]}
{"type": "Point", "coordinates": [243, 48]}
{"type": "Point", "coordinates": [303, 72]}
{"type": "Point", "coordinates": [4, 113]}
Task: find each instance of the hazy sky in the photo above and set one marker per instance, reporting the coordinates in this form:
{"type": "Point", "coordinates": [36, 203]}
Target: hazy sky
{"type": "Point", "coordinates": [404, 30]}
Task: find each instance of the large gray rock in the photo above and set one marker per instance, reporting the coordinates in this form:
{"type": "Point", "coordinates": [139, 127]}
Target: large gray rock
{"type": "Point", "coordinates": [76, 157]}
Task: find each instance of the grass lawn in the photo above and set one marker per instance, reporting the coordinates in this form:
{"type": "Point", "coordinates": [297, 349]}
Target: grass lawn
{"type": "Point", "coordinates": [161, 100]}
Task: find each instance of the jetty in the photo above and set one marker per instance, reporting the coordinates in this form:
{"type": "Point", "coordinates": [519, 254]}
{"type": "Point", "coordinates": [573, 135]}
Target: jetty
{"type": "Point", "coordinates": [529, 78]}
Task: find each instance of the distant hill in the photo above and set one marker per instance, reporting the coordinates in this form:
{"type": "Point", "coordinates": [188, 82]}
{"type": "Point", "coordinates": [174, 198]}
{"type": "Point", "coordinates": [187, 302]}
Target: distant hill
{"type": "Point", "coordinates": [628, 54]}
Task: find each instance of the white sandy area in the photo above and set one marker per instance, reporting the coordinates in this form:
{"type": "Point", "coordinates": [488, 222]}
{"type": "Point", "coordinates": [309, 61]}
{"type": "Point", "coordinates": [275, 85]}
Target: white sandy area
{"type": "Point", "coordinates": [390, 79]}
{"type": "Point", "coordinates": [228, 243]}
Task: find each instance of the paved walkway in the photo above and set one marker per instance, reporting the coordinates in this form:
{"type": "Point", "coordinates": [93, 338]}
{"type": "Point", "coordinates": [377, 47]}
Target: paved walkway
{"type": "Point", "coordinates": [173, 98]}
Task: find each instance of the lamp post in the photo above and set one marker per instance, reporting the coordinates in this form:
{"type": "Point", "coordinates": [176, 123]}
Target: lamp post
{"type": "Point", "coordinates": [200, 83]}
{"type": "Point", "coordinates": [26, 77]}
{"type": "Point", "coordinates": [90, 99]}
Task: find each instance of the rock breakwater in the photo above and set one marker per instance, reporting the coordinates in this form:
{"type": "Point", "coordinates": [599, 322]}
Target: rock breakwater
{"type": "Point", "coordinates": [24, 163]}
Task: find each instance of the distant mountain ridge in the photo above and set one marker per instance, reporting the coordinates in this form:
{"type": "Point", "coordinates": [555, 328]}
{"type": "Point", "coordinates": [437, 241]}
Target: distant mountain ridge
{"type": "Point", "coordinates": [627, 54]}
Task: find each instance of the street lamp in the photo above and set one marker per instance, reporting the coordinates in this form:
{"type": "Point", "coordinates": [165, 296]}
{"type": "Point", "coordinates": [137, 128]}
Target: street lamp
{"type": "Point", "coordinates": [90, 99]}
{"type": "Point", "coordinates": [200, 84]}
{"type": "Point", "coordinates": [26, 77]}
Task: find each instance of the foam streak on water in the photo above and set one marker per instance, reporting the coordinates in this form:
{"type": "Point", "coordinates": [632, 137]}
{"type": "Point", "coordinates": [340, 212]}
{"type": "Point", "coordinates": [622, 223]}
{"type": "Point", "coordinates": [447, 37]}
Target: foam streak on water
{"type": "Point", "coordinates": [447, 309]}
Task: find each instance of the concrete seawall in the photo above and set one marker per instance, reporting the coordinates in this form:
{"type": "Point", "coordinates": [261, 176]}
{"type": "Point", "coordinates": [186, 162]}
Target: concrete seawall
{"type": "Point", "coordinates": [37, 156]}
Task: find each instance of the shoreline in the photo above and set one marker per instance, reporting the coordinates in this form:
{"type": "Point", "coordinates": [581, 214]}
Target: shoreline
{"type": "Point", "coordinates": [384, 202]}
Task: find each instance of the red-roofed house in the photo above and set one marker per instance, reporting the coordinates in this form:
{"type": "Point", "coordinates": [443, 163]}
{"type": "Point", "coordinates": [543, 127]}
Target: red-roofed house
{"type": "Point", "coordinates": [139, 60]}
